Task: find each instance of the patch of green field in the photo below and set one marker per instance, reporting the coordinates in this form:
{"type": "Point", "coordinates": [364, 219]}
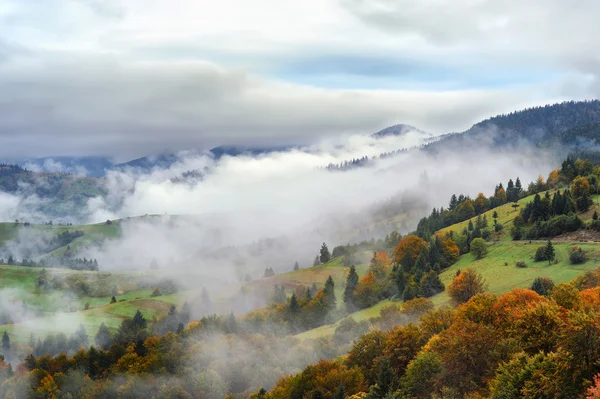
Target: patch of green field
{"type": "Point", "coordinates": [358, 316]}
{"type": "Point", "coordinates": [499, 270]}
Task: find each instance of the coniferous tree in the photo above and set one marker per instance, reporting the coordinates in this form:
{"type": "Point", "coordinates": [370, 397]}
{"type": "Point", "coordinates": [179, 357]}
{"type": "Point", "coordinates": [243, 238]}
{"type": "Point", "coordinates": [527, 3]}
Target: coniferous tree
{"type": "Point", "coordinates": [595, 215]}
{"type": "Point", "coordinates": [351, 283]}
{"type": "Point", "coordinates": [103, 338]}
{"type": "Point", "coordinates": [549, 251]}
{"type": "Point", "coordinates": [518, 188]}
{"type": "Point", "coordinates": [324, 255]}
{"type": "Point", "coordinates": [296, 266]}
{"type": "Point", "coordinates": [139, 320]}
{"type": "Point", "coordinates": [400, 281]}
{"type": "Point", "coordinates": [453, 203]}
{"type": "Point", "coordinates": [81, 336]}
{"type": "Point", "coordinates": [313, 289]}
{"type": "Point", "coordinates": [294, 305]}
{"type": "Point", "coordinates": [317, 261]}
{"type": "Point", "coordinates": [5, 343]}
{"type": "Point", "coordinates": [329, 292]}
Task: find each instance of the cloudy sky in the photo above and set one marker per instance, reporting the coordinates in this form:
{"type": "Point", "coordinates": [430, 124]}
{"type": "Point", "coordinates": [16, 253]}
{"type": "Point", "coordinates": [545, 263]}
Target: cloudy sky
{"type": "Point", "coordinates": [127, 78]}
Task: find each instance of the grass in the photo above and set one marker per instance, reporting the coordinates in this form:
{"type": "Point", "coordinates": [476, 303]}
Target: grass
{"type": "Point", "coordinates": [499, 270]}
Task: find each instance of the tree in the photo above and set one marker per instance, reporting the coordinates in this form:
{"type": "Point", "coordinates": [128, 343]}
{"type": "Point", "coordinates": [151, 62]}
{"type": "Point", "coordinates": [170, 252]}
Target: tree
{"type": "Point", "coordinates": [317, 261]}
{"type": "Point", "coordinates": [340, 393]}
{"type": "Point", "coordinates": [408, 250]}
{"type": "Point", "coordinates": [81, 336]}
{"type": "Point", "coordinates": [296, 267]}
{"type": "Point", "coordinates": [595, 215]}
{"type": "Point", "coordinates": [466, 285]}
{"type": "Point", "coordinates": [479, 248]}
{"type": "Point", "coordinates": [351, 283]}
{"type": "Point", "coordinates": [5, 343]}
{"type": "Point", "coordinates": [542, 285]}
{"type": "Point", "coordinates": [324, 255]}
{"type": "Point", "coordinates": [113, 300]}
{"type": "Point", "coordinates": [153, 264]}
{"type": "Point", "coordinates": [139, 320]}
{"type": "Point", "coordinates": [329, 292]}
{"type": "Point", "coordinates": [294, 305]}
{"type": "Point", "coordinates": [549, 252]}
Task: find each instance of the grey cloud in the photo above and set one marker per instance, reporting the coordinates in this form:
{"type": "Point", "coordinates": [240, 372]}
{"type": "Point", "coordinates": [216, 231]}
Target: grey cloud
{"type": "Point", "coordinates": [110, 108]}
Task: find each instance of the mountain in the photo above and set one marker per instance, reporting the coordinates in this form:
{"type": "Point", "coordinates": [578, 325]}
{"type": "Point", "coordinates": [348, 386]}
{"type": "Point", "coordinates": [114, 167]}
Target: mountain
{"type": "Point", "coordinates": [538, 126]}
{"type": "Point", "coordinates": [92, 166]}
{"type": "Point", "coordinates": [41, 194]}
{"type": "Point", "coordinates": [398, 130]}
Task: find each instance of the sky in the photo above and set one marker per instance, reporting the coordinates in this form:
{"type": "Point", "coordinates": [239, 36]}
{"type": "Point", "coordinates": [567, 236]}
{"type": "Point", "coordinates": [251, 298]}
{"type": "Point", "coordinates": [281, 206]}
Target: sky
{"type": "Point", "coordinates": [127, 78]}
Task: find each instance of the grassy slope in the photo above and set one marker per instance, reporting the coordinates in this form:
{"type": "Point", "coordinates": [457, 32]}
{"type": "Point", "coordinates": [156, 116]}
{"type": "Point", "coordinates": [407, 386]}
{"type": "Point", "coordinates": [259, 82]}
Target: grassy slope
{"type": "Point", "coordinates": [500, 277]}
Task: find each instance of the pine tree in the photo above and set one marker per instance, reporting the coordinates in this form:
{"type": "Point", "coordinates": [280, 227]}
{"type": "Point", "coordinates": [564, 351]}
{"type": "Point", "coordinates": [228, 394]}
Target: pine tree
{"type": "Point", "coordinates": [296, 267]}
{"type": "Point", "coordinates": [81, 336]}
{"type": "Point", "coordinates": [385, 379]}
{"type": "Point", "coordinates": [351, 284]}
{"type": "Point", "coordinates": [510, 191]}
{"type": "Point", "coordinates": [313, 289]}
{"type": "Point", "coordinates": [180, 328]}
{"type": "Point", "coordinates": [400, 281]}
{"type": "Point", "coordinates": [453, 203]}
{"type": "Point", "coordinates": [518, 188]}
{"type": "Point", "coordinates": [317, 261]}
{"type": "Point", "coordinates": [329, 292]}
{"type": "Point", "coordinates": [549, 251]}
{"type": "Point", "coordinates": [139, 320]}
{"type": "Point", "coordinates": [5, 343]}
{"type": "Point", "coordinates": [324, 255]}
{"type": "Point", "coordinates": [294, 305]}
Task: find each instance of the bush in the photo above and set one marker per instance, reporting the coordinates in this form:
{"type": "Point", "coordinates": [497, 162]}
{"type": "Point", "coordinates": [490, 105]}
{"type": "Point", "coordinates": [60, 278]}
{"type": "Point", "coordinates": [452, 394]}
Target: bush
{"type": "Point", "coordinates": [521, 264]}
{"type": "Point", "coordinates": [479, 248]}
{"type": "Point", "coordinates": [540, 254]}
{"type": "Point", "coordinates": [498, 228]}
{"type": "Point", "coordinates": [516, 233]}
{"type": "Point", "coordinates": [595, 225]}
{"type": "Point", "coordinates": [155, 292]}
{"type": "Point", "coordinates": [466, 285]}
{"type": "Point", "coordinates": [542, 285]}
{"type": "Point", "coordinates": [577, 256]}
{"type": "Point", "coordinates": [485, 234]}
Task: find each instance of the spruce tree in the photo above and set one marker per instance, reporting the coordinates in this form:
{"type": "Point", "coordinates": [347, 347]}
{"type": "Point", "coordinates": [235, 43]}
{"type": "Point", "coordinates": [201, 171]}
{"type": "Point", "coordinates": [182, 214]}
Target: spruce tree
{"type": "Point", "coordinates": [82, 337]}
{"type": "Point", "coordinates": [294, 305]}
{"type": "Point", "coordinates": [518, 188]}
{"type": "Point", "coordinates": [549, 251]}
{"type": "Point", "coordinates": [5, 343]}
{"type": "Point", "coordinates": [317, 261]}
{"type": "Point", "coordinates": [324, 255]}
{"type": "Point", "coordinates": [139, 320]}
{"type": "Point", "coordinates": [329, 292]}
{"type": "Point", "coordinates": [351, 284]}
{"type": "Point", "coordinates": [400, 281]}
{"type": "Point", "coordinates": [296, 266]}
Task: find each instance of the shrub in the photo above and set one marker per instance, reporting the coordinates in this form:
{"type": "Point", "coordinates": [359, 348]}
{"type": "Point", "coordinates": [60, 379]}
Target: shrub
{"type": "Point", "coordinates": [466, 285]}
{"type": "Point", "coordinates": [521, 264]}
{"type": "Point", "coordinates": [577, 256]}
{"type": "Point", "coordinates": [479, 248]}
{"type": "Point", "coordinates": [86, 306]}
{"type": "Point", "coordinates": [595, 225]}
{"type": "Point", "coordinates": [155, 292]}
{"type": "Point", "coordinates": [498, 227]}
{"type": "Point", "coordinates": [516, 233]}
{"type": "Point", "coordinates": [540, 254]}
{"type": "Point", "coordinates": [542, 285]}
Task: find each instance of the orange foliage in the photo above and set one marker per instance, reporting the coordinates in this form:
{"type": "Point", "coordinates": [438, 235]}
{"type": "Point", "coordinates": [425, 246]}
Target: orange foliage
{"type": "Point", "coordinates": [512, 306]}
{"type": "Point", "coordinates": [553, 178]}
{"type": "Point", "coordinates": [593, 392]}
{"type": "Point", "coordinates": [479, 203]}
{"type": "Point", "coordinates": [407, 251]}
{"type": "Point", "coordinates": [478, 309]}
{"type": "Point", "coordinates": [590, 299]}
{"type": "Point", "coordinates": [465, 286]}
{"type": "Point", "coordinates": [501, 196]}
{"type": "Point", "coordinates": [450, 250]}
